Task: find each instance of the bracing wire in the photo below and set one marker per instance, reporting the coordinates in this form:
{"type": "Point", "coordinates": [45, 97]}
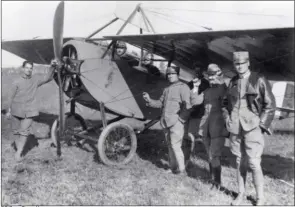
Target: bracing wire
{"type": "Point", "coordinates": [216, 11]}
{"type": "Point", "coordinates": [179, 19]}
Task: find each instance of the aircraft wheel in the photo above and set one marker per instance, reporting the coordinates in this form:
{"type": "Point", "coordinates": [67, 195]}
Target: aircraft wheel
{"type": "Point", "coordinates": [117, 144]}
{"type": "Point", "coordinates": [73, 122]}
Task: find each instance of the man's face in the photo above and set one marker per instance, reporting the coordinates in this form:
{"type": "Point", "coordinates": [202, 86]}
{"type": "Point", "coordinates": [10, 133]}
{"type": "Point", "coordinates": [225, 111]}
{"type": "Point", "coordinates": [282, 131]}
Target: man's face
{"type": "Point", "coordinates": [28, 69]}
{"type": "Point", "coordinates": [214, 79]}
{"type": "Point", "coordinates": [172, 77]}
{"type": "Point", "coordinates": [241, 67]}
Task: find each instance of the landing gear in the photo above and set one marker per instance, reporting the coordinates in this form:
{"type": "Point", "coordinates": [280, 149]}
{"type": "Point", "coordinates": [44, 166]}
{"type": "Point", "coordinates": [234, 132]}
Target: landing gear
{"type": "Point", "coordinates": [74, 124]}
{"type": "Point", "coordinates": [117, 141]}
{"type": "Point", "coordinates": [117, 144]}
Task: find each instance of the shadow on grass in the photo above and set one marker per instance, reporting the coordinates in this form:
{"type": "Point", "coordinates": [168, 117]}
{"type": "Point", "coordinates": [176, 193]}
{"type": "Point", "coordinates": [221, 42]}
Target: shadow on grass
{"type": "Point", "coordinates": [152, 146]}
{"type": "Point", "coordinates": [273, 166]}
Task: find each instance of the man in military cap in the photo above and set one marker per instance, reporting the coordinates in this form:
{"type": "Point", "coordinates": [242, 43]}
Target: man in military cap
{"type": "Point", "coordinates": [175, 104]}
{"type": "Point", "coordinates": [248, 114]}
{"type": "Point", "coordinates": [212, 126]}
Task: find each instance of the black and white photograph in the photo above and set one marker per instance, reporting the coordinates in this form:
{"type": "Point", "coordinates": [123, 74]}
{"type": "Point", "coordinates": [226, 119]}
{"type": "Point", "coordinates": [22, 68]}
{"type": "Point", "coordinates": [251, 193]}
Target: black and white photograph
{"type": "Point", "coordinates": [147, 103]}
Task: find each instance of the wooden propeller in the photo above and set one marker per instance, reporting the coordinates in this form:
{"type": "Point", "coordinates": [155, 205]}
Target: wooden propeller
{"type": "Point", "coordinates": [58, 23]}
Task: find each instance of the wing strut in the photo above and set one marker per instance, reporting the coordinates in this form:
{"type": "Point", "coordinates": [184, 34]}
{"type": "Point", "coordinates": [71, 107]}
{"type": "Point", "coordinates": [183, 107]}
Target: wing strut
{"type": "Point", "coordinates": [145, 18]}
{"type": "Point", "coordinates": [101, 28]}
{"type": "Point", "coordinates": [121, 29]}
{"type": "Point", "coordinates": [172, 55]}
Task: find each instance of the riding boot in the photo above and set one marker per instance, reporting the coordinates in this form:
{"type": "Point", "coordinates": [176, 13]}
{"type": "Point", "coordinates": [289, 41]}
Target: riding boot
{"type": "Point", "coordinates": [258, 183]}
{"type": "Point", "coordinates": [211, 172]}
{"type": "Point", "coordinates": [217, 176]}
{"type": "Point", "coordinates": [242, 175]}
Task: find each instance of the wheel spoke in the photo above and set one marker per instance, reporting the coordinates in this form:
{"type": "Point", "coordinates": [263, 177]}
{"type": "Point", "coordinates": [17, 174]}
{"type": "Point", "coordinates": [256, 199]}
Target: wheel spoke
{"type": "Point", "coordinates": [117, 144]}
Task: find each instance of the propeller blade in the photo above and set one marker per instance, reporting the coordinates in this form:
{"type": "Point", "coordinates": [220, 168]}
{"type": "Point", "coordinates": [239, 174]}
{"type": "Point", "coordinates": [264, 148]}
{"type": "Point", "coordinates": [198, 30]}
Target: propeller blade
{"type": "Point", "coordinates": [58, 24]}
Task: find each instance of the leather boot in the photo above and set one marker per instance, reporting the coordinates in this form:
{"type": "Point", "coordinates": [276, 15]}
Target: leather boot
{"type": "Point", "coordinates": [258, 183]}
{"type": "Point", "coordinates": [211, 171]}
{"type": "Point", "coordinates": [217, 176]}
{"type": "Point", "coordinates": [242, 175]}
{"type": "Point", "coordinates": [238, 200]}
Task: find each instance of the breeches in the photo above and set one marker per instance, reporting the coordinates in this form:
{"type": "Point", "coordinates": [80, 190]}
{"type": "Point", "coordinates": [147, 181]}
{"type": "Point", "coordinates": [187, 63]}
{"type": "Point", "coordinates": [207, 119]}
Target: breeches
{"type": "Point", "coordinates": [249, 144]}
{"type": "Point", "coordinates": [214, 147]}
{"type": "Point", "coordinates": [25, 126]}
{"type": "Point", "coordinates": [174, 137]}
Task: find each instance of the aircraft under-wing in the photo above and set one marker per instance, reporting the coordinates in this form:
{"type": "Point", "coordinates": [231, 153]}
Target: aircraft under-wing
{"type": "Point", "coordinates": [107, 79]}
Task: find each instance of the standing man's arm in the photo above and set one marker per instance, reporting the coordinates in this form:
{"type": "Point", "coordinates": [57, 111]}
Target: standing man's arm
{"type": "Point", "coordinates": [186, 104]}
{"type": "Point", "coordinates": [49, 75]}
{"type": "Point", "coordinates": [268, 105]}
{"type": "Point", "coordinates": [154, 103]}
{"type": "Point", "coordinates": [10, 99]}
{"type": "Point", "coordinates": [225, 104]}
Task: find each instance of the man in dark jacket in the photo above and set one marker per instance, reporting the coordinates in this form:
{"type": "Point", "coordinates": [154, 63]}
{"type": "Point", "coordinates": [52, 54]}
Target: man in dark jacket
{"type": "Point", "coordinates": [248, 114]}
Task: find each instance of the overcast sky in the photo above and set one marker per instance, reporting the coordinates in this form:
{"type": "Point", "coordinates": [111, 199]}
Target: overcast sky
{"type": "Point", "coordinates": [26, 20]}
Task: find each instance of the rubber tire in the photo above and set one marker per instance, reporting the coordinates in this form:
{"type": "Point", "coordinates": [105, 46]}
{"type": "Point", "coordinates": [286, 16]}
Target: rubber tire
{"type": "Point", "coordinates": [102, 139]}
{"type": "Point", "coordinates": [56, 124]}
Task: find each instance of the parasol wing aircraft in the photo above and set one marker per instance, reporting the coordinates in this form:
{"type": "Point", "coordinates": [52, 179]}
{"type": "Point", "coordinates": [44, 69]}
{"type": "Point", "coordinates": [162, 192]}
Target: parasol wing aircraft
{"type": "Point", "coordinates": [107, 79]}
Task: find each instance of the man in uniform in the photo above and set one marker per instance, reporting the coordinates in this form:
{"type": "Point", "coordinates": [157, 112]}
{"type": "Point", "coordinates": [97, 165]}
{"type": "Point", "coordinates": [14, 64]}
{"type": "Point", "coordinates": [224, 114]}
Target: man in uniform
{"type": "Point", "coordinates": [23, 105]}
{"type": "Point", "coordinates": [248, 114]}
{"type": "Point", "coordinates": [175, 104]}
{"type": "Point", "coordinates": [212, 126]}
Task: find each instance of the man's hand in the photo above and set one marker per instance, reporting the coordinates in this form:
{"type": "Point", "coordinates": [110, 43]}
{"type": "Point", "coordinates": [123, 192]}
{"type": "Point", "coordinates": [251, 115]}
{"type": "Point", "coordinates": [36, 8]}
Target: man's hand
{"type": "Point", "coordinates": [197, 82]}
{"type": "Point", "coordinates": [265, 131]}
{"type": "Point", "coordinates": [8, 114]}
{"type": "Point", "coordinates": [146, 96]}
{"type": "Point", "coordinates": [54, 63]}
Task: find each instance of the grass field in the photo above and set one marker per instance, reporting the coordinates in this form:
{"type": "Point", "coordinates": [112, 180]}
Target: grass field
{"type": "Point", "coordinates": [79, 179]}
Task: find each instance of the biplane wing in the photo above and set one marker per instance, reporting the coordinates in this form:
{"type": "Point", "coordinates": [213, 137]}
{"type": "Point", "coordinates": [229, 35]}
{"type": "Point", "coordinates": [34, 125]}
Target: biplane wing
{"type": "Point", "coordinates": [39, 51]}
{"type": "Point", "coordinates": [271, 50]}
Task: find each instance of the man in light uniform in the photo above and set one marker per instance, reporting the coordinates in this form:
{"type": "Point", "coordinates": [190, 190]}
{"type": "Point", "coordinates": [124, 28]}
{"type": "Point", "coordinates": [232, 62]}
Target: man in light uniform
{"type": "Point", "coordinates": [248, 114]}
{"type": "Point", "coordinates": [23, 103]}
{"type": "Point", "coordinates": [175, 104]}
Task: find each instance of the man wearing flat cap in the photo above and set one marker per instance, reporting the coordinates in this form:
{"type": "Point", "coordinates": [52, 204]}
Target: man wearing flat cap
{"type": "Point", "coordinates": [212, 126]}
{"type": "Point", "coordinates": [248, 115]}
{"type": "Point", "coordinates": [175, 105]}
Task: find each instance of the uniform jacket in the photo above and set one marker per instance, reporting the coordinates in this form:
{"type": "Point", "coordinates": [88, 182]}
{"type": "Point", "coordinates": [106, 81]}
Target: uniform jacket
{"type": "Point", "coordinates": [23, 101]}
{"type": "Point", "coordinates": [259, 97]}
{"type": "Point", "coordinates": [175, 104]}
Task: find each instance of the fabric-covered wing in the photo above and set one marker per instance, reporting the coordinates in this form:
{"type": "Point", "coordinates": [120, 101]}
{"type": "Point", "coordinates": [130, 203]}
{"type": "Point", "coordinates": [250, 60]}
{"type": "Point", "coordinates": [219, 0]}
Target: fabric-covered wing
{"type": "Point", "coordinates": [39, 51]}
{"type": "Point", "coordinates": [271, 50]}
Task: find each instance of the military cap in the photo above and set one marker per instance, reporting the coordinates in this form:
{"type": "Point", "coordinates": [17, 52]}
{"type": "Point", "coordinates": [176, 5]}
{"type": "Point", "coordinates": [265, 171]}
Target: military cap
{"type": "Point", "coordinates": [240, 57]}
